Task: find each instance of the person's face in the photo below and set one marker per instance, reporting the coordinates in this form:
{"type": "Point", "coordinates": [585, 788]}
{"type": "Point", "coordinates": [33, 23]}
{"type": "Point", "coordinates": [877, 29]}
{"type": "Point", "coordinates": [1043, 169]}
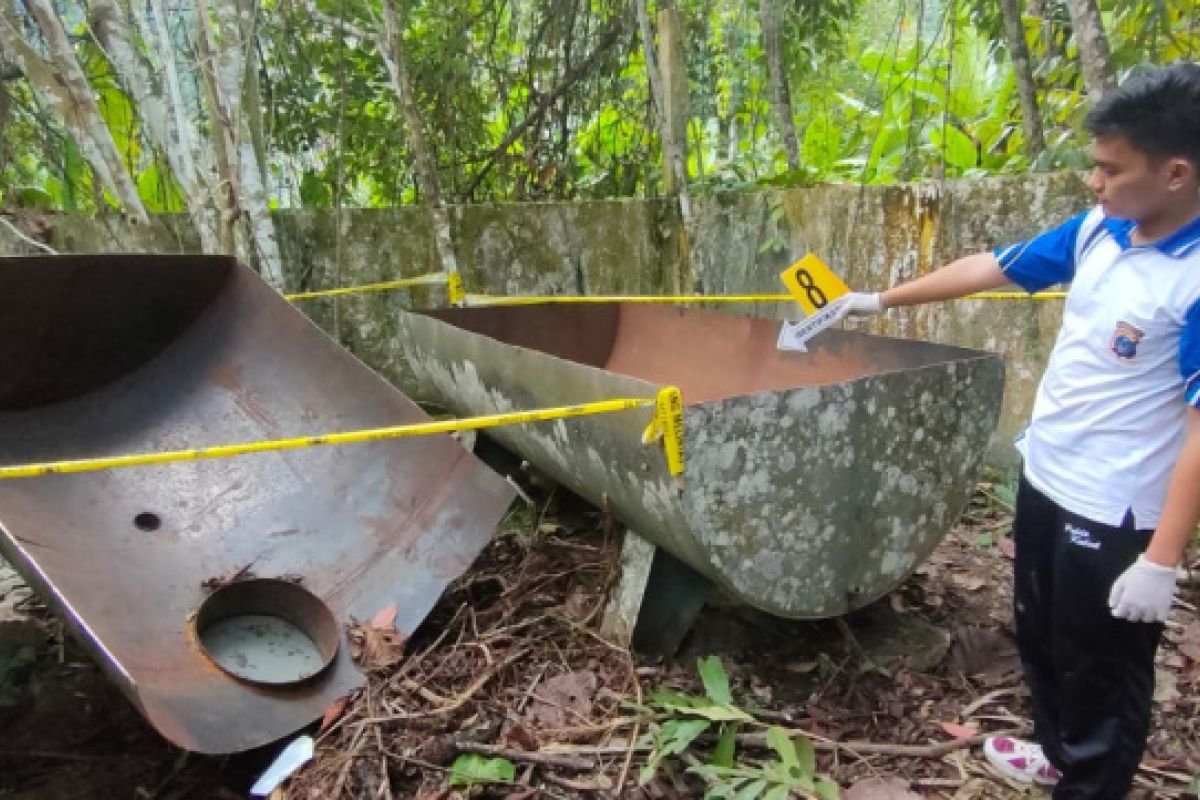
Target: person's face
{"type": "Point", "coordinates": [1132, 185]}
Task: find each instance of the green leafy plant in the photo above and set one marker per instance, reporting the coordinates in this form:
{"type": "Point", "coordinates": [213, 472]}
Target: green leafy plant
{"type": "Point", "coordinates": [472, 769]}
{"type": "Point", "coordinates": [680, 720]}
{"type": "Point", "coordinates": [793, 770]}
{"type": "Point", "coordinates": [1006, 490]}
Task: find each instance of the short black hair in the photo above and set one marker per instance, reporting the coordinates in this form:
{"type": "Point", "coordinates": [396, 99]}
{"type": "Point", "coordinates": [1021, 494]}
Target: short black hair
{"type": "Point", "coordinates": [1157, 111]}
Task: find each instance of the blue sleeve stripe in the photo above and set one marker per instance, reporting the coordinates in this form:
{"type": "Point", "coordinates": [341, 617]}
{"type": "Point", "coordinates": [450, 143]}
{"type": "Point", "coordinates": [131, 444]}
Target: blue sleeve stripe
{"type": "Point", "coordinates": [1191, 389]}
{"type": "Point", "coordinates": [1007, 256]}
{"type": "Point", "coordinates": [1189, 355]}
{"type": "Point", "coordinates": [1044, 260]}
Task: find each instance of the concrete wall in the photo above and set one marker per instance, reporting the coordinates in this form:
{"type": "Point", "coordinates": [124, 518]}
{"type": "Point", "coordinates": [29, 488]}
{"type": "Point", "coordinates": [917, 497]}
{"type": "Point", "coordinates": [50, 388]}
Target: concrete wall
{"type": "Point", "coordinates": [873, 236]}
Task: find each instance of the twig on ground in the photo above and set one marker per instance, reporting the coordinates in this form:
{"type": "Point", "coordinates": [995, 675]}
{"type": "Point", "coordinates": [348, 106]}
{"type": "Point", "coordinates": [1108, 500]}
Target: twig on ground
{"type": "Point", "coordinates": [454, 704]}
{"type": "Point", "coordinates": [539, 757]}
{"type": "Point", "coordinates": [637, 725]}
{"type": "Point", "coordinates": [875, 748]}
{"type": "Point", "coordinates": [988, 698]}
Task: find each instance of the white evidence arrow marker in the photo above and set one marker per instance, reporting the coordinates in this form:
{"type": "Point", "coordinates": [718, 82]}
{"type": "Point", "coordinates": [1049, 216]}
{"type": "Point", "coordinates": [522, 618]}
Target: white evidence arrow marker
{"type": "Point", "coordinates": [794, 335]}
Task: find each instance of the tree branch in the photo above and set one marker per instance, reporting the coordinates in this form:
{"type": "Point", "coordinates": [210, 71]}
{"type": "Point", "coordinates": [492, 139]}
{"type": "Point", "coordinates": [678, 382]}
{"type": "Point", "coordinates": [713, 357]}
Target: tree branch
{"type": "Point", "coordinates": [572, 77]}
{"type": "Point", "coordinates": [310, 8]}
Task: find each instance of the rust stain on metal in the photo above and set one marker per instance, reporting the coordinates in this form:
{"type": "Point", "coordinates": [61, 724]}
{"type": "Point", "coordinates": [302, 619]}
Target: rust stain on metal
{"type": "Point", "coordinates": [101, 355]}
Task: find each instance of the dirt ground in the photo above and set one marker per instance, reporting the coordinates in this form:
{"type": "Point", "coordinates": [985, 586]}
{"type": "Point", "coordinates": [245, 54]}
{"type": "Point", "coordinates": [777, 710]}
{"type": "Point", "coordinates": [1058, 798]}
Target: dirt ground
{"type": "Point", "coordinates": [511, 665]}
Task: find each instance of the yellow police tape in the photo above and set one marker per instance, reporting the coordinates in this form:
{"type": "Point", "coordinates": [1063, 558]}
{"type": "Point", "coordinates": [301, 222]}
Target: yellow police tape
{"type": "Point", "coordinates": [668, 409]}
{"type": "Point", "coordinates": [457, 295]}
{"type": "Point", "coordinates": [482, 300]}
{"type": "Point", "coordinates": [529, 300]}
{"type": "Point", "coordinates": [386, 286]}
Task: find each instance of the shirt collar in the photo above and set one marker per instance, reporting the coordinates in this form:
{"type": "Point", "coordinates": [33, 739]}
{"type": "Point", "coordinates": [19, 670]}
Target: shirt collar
{"type": "Point", "coordinates": [1176, 244]}
{"type": "Point", "coordinates": [1120, 230]}
{"type": "Point", "coordinates": [1181, 240]}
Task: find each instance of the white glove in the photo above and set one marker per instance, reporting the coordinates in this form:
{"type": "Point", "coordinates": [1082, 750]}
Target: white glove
{"type": "Point", "coordinates": [860, 304]}
{"type": "Point", "coordinates": [1144, 592]}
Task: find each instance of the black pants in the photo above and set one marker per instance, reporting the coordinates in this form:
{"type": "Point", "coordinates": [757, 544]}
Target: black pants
{"type": "Point", "coordinates": [1091, 675]}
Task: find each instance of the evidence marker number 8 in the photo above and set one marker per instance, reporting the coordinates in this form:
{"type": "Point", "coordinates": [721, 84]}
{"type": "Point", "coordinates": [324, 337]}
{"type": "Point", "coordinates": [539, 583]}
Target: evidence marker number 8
{"type": "Point", "coordinates": [817, 289]}
{"type": "Point", "coordinates": [813, 283]}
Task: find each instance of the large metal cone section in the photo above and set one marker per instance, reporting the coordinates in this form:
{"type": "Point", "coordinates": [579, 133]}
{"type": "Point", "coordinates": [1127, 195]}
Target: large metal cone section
{"type": "Point", "coordinates": [106, 355]}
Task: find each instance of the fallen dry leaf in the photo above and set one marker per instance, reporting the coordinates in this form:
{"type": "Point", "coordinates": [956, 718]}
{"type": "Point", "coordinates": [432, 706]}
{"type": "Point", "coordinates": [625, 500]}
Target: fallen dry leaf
{"type": "Point", "coordinates": [563, 700]}
{"type": "Point", "coordinates": [334, 712]}
{"type": "Point", "coordinates": [1166, 686]}
{"type": "Point", "coordinates": [1189, 645]}
{"type": "Point", "coordinates": [521, 737]}
{"type": "Point", "coordinates": [376, 648]}
{"type": "Point", "coordinates": [385, 619]}
{"type": "Point", "coordinates": [959, 731]}
{"type": "Point", "coordinates": [1175, 660]}
{"type": "Point", "coordinates": [970, 583]}
{"type": "Point", "coordinates": [578, 604]}
{"type": "Point", "coordinates": [1007, 547]}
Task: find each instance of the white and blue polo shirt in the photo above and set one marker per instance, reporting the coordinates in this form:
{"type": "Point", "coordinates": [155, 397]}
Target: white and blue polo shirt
{"type": "Point", "coordinates": [1111, 411]}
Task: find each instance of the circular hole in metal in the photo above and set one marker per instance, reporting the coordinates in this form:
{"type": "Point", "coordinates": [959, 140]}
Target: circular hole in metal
{"type": "Point", "coordinates": [147, 521]}
{"type": "Point", "coordinates": [267, 632]}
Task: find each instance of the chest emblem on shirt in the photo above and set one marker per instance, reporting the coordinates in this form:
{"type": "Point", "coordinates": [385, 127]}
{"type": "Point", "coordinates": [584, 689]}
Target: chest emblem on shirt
{"type": "Point", "coordinates": [1125, 340]}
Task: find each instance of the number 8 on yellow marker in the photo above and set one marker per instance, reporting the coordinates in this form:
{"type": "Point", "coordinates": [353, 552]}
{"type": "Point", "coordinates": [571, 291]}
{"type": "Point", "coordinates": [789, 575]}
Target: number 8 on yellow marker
{"type": "Point", "coordinates": [813, 284]}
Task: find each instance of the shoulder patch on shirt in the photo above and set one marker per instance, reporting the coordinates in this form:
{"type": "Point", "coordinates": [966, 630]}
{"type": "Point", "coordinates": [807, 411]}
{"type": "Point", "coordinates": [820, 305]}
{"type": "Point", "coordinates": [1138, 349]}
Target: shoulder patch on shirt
{"type": "Point", "coordinates": [1125, 340]}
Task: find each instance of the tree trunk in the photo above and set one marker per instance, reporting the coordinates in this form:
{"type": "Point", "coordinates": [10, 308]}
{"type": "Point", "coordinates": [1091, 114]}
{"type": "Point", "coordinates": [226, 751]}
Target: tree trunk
{"type": "Point", "coordinates": [781, 96]}
{"type": "Point", "coordinates": [650, 55]}
{"type": "Point", "coordinates": [223, 65]}
{"type": "Point", "coordinates": [196, 161]}
{"type": "Point", "coordinates": [673, 124]}
{"type": "Point", "coordinates": [427, 175]}
{"type": "Point", "coordinates": [1092, 42]}
{"type": "Point", "coordinates": [237, 43]}
{"type": "Point", "coordinates": [224, 147]}
{"type": "Point", "coordinates": [61, 83]}
{"type": "Point", "coordinates": [1014, 33]}
{"type": "Point", "coordinates": [673, 120]}
{"type": "Point", "coordinates": [252, 89]}
{"type": "Point", "coordinates": [157, 96]}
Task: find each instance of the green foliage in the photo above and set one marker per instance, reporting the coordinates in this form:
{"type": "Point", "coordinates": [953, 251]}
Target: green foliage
{"type": "Point", "coordinates": [680, 720]}
{"type": "Point", "coordinates": [1004, 489]}
{"type": "Point", "coordinates": [688, 716]}
{"type": "Point", "coordinates": [471, 769]}
{"type": "Point", "coordinates": [793, 769]}
{"type": "Point", "coordinates": [551, 99]}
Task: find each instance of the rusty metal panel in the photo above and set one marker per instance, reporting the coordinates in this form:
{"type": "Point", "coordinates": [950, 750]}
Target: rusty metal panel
{"type": "Point", "coordinates": [103, 355]}
{"type": "Point", "coordinates": [815, 482]}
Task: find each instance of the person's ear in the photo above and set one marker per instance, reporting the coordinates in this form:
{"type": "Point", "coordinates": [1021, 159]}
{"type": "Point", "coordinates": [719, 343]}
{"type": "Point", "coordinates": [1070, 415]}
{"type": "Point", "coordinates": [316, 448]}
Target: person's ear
{"type": "Point", "coordinates": [1181, 173]}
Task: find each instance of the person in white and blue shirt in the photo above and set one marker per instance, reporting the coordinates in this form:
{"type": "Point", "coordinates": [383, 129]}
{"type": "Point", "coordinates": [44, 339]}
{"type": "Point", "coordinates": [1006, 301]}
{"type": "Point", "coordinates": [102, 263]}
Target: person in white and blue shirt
{"type": "Point", "coordinates": [1110, 490]}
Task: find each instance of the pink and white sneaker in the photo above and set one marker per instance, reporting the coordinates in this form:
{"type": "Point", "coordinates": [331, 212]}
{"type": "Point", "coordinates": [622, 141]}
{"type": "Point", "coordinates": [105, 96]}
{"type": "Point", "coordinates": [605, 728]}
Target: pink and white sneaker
{"type": "Point", "coordinates": [1020, 760]}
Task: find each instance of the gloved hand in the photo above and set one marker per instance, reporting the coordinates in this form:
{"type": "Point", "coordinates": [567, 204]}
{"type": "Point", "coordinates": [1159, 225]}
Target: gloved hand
{"type": "Point", "coordinates": [1144, 592]}
{"type": "Point", "coordinates": [860, 304]}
